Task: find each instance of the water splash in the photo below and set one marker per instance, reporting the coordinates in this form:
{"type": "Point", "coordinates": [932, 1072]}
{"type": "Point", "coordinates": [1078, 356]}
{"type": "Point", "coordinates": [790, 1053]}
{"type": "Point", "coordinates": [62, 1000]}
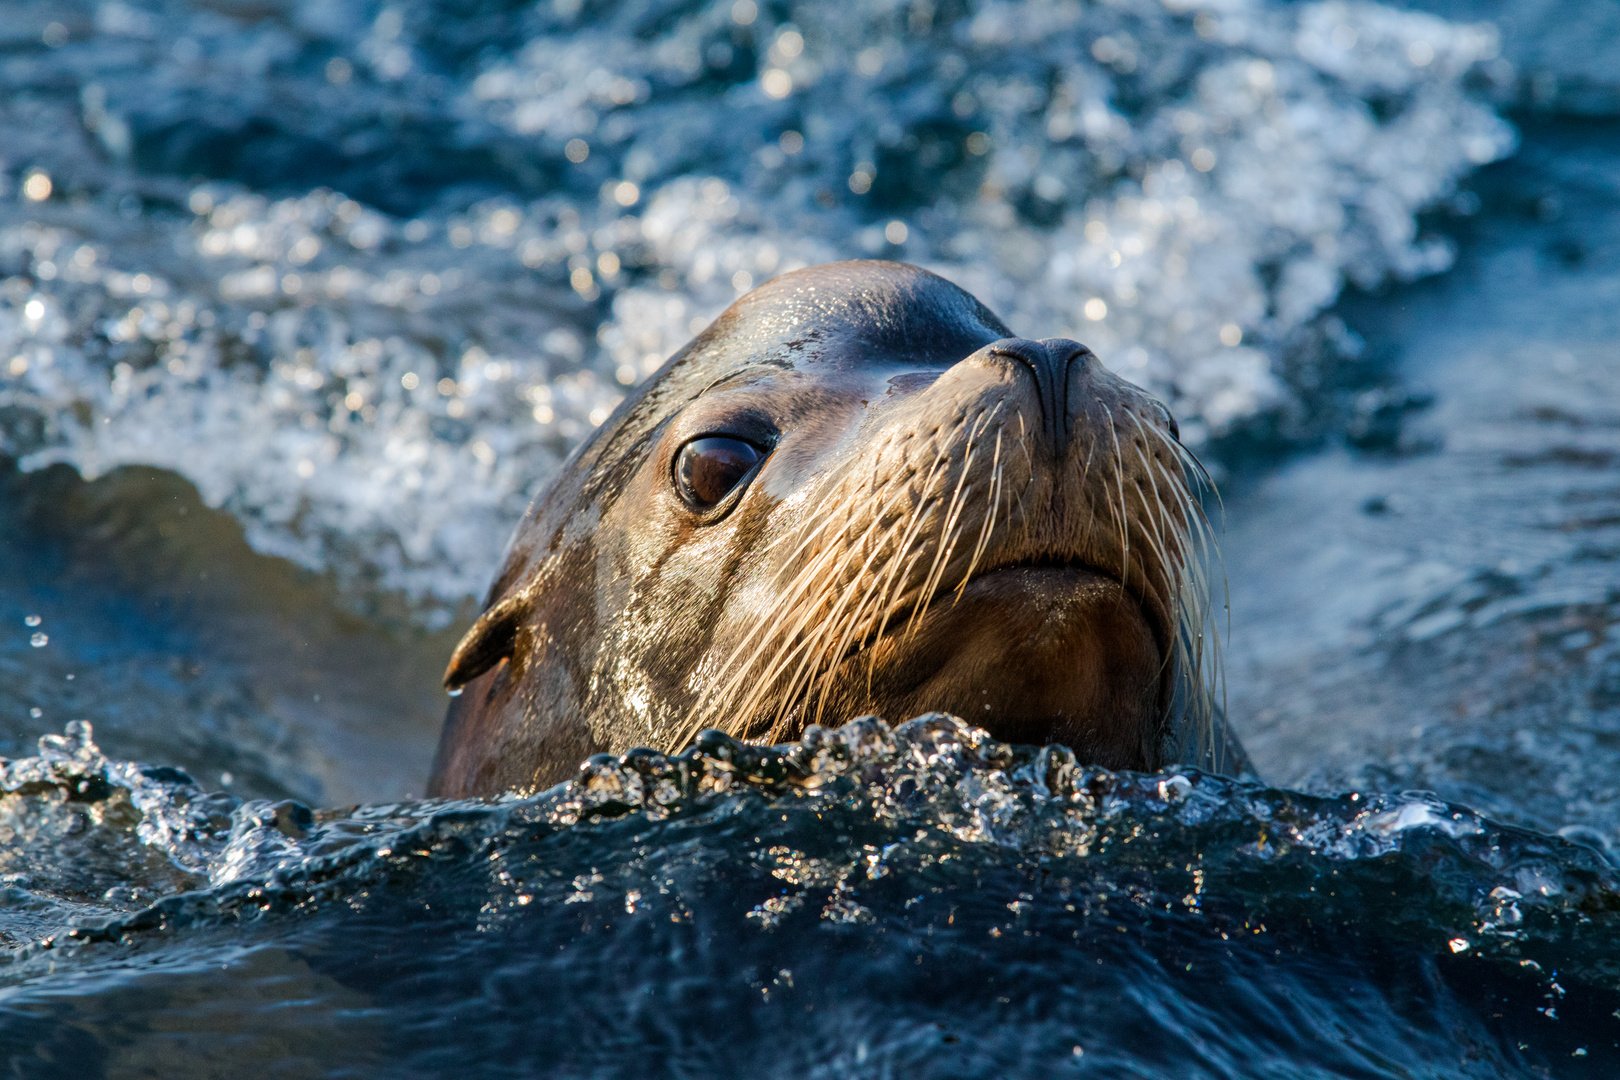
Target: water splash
{"type": "Point", "coordinates": [932, 777]}
{"type": "Point", "coordinates": [880, 887]}
{"type": "Point", "coordinates": [373, 346]}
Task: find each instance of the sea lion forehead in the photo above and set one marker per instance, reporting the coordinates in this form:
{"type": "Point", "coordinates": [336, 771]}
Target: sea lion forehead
{"type": "Point", "coordinates": [856, 313]}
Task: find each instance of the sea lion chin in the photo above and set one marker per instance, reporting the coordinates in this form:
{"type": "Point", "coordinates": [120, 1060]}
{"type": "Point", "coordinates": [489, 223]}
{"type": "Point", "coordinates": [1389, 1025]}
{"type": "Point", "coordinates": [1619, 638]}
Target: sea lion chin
{"type": "Point", "coordinates": [856, 492]}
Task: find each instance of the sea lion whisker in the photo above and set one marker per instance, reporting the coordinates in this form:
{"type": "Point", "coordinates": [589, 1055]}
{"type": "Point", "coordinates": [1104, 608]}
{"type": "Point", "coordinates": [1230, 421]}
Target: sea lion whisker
{"type": "Point", "coordinates": [801, 592]}
{"type": "Point", "coordinates": [1194, 605]}
{"type": "Point", "coordinates": [895, 577]}
{"type": "Point", "coordinates": [867, 599]}
{"type": "Point", "coordinates": [1160, 522]}
{"type": "Point", "coordinates": [989, 521]}
{"type": "Point", "coordinates": [1183, 583]}
{"type": "Point", "coordinates": [1029, 474]}
{"type": "Point", "coordinates": [723, 699]}
{"type": "Point", "coordinates": [1155, 544]}
{"type": "Point", "coordinates": [1171, 586]}
{"type": "Point", "coordinates": [1192, 552]}
{"type": "Point", "coordinates": [903, 558]}
{"type": "Point", "coordinates": [807, 645]}
{"type": "Point", "coordinates": [1197, 466]}
{"type": "Point", "coordinates": [942, 552]}
{"type": "Point", "coordinates": [950, 532]}
{"type": "Point", "coordinates": [1192, 525]}
{"type": "Point", "coordinates": [797, 593]}
{"type": "Point", "coordinates": [805, 576]}
{"type": "Point", "coordinates": [1123, 515]}
{"type": "Point", "coordinates": [887, 609]}
{"type": "Point", "coordinates": [813, 653]}
{"type": "Point", "coordinates": [1201, 526]}
{"type": "Point", "coordinates": [1199, 541]}
{"type": "Point", "coordinates": [1207, 672]}
{"type": "Point", "coordinates": [989, 524]}
{"type": "Point", "coordinates": [1190, 465]}
{"type": "Point", "coordinates": [896, 574]}
{"type": "Point", "coordinates": [831, 655]}
{"type": "Point", "coordinates": [1156, 514]}
{"type": "Point", "coordinates": [1206, 552]}
{"type": "Point", "coordinates": [1085, 474]}
{"type": "Point", "coordinates": [793, 646]}
{"type": "Point", "coordinates": [836, 482]}
{"type": "Point", "coordinates": [806, 534]}
{"type": "Point", "coordinates": [931, 585]}
{"type": "Point", "coordinates": [947, 545]}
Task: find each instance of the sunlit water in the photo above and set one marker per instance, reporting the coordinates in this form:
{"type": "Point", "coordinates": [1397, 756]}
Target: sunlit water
{"type": "Point", "coordinates": [1444, 613]}
{"type": "Point", "coordinates": [922, 901]}
{"type": "Point", "coordinates": [315, 297]}
{"type": "Point", "coordinates": [433, 245]}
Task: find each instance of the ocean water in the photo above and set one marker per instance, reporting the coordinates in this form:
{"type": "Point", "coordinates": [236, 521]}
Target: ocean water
{"type": "Point", "coordinates": [1441, 613]}
{"type": "Point", "coordinates": [363, 273]}
{"type": "Point", "coordinates": [301, 302]}
{"type": "Point", "coordinates": [868, 902]}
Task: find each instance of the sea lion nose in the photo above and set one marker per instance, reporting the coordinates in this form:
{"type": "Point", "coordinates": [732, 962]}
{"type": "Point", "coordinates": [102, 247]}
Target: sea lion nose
{"type": "Point", "coordinates": [1049, 361]}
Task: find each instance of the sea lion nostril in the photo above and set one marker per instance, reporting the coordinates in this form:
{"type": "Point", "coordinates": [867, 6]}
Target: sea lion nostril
{"type": "Point", "coordinates": [1048, 361]}
{"type": "Point", "coordinates": [1065, 351]}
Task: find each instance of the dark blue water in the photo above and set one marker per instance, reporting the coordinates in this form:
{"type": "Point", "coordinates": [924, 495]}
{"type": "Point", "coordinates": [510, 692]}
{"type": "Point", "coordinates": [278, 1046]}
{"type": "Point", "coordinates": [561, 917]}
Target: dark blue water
{"type": "Point", "coordinates": [867, 903]}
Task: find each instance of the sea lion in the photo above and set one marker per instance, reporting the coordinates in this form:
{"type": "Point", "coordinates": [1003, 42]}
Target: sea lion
{"type": "Point", "coordinates": [856, 492]}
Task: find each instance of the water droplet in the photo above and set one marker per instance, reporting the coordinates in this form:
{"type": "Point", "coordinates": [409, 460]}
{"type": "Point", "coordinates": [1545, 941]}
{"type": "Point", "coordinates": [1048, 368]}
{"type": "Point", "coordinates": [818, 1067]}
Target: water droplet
{"type": "Point", "coordinates": [32, 620]}
{"type": "Point", "coordinates": [39, 641]}
{"type": "Point", "coordinates": [37, 188]}
{"type": "Point", "coordinates": [36, 712]}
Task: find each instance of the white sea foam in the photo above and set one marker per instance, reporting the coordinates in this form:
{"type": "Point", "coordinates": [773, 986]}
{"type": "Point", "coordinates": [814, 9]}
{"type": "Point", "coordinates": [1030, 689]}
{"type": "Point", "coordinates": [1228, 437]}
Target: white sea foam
{"type": "Point", "coordinates": [1183, 187]}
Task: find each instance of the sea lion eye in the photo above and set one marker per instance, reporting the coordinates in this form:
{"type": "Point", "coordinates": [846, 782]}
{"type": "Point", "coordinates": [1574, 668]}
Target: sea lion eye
{"type": "Point", "coordinates": [708, 467]}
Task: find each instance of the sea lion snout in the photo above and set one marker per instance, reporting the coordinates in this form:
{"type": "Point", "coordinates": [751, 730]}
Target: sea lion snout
{"type": "Point", "coordinates": [855, 492]}
{"type": "Point", "coordinates": [1055, 364]}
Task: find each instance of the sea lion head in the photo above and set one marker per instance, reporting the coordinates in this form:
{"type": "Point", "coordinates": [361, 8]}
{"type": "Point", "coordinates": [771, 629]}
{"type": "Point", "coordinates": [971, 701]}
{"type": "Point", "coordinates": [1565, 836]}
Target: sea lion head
{"type": "Point", "coordinates": [856, 492]}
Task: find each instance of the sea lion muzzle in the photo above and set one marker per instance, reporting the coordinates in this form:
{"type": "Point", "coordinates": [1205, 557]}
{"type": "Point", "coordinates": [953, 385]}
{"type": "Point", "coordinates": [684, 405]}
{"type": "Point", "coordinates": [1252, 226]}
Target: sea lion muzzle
{"type": "Point", "coordinates": [856, 492]}
{"type": "Point", "coordinates": [1048, 363]}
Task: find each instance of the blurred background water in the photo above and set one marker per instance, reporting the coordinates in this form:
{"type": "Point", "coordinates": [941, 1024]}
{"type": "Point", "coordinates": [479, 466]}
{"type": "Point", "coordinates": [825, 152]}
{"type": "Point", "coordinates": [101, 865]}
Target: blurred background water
{"type": "Point", "coordinates": [363, 273]}
{"type": "Point", "coordinates": [300, 303]}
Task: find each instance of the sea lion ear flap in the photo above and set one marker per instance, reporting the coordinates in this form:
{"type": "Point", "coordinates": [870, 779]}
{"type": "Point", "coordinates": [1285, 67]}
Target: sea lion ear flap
{"type": "Point", "coordinates": [492, 639]}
